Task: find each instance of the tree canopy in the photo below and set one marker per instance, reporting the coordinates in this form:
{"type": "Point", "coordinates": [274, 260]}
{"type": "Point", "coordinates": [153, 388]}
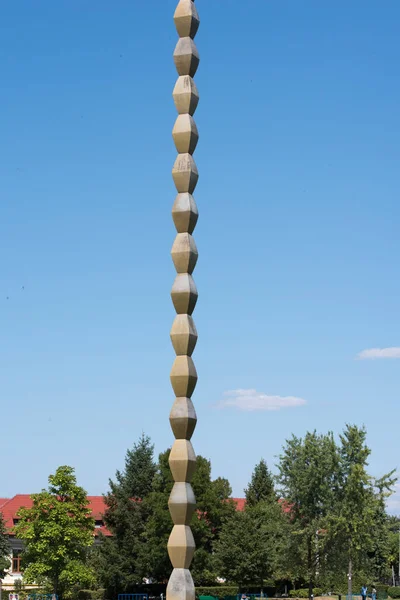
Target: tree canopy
{"type": "Point", "coordinates": [57, 532]}
{"type": "Point", "coordinates": [325, 517]}
{"type": "Point", "coordinates": [339, 523]}
{"type": "Point", "coordinates": [118, 560]}
{"type": "Point", "coordinates": [261, 486]}
{"type": "Point", "coordinates": [4, 548]}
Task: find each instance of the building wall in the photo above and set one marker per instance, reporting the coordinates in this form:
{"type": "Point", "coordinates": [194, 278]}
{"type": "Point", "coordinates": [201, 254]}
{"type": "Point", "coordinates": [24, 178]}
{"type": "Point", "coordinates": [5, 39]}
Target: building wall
{"type": "Point", "coordinates": [8, 583]}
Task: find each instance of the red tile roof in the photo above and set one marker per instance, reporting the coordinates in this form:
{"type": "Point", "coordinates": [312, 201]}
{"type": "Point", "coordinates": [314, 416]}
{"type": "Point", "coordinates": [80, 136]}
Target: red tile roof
{"type": "Point", "coordinates": [11, 507]}
{"type": "Point", "coordinates": [286, 506]}
{"type": "Point", "coordinates": [240, 503]}
{"type": "Point", "coordinates": [97, 506]}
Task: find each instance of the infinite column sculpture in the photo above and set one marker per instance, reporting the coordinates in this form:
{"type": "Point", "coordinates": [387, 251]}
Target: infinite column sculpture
{"type": "Point", "coordinates": [182, 459]}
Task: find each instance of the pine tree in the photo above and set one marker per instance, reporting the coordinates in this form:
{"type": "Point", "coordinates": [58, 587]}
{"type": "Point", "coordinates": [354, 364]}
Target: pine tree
{"type": "Point", "coordinates": [137, 478]}
{"type": "Point", "coordinates": [117, 560]}
{"type": "Point", "coordinates": [213, 508]}
{"type": "Point", "coordinates": [261, 486]}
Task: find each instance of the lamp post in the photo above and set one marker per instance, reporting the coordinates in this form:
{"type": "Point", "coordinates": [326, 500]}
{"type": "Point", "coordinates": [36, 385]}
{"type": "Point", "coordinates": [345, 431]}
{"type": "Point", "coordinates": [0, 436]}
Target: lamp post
{"type": "Point", "coordinates": [183, 375]}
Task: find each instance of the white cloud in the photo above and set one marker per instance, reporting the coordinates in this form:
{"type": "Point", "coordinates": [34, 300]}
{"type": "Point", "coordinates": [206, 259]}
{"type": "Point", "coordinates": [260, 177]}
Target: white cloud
{"type": "Point", "coordinates": [251, 400]}
{"type": "Point", "coordinates": [374, 353]}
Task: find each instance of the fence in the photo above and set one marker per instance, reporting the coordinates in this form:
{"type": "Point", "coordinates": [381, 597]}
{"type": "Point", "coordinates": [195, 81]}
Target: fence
{"type": "Point", "coordinates": [133, 597]}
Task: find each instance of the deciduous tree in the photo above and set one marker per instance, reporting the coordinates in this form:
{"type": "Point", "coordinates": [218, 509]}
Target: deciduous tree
{"type": "Point", "coordinates": [358, 521]}
{"type": "Point", "coordinates": [4, 549]}
{"type": "Point", "coordinates": [252, 547]}
{"type": "Point", "coordinates": [57, 533]}
{"type": "Point", "coordinates": [308, 477]}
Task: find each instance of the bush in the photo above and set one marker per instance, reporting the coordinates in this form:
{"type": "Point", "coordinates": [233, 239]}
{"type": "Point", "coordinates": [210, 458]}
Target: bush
{"type": "Point", "coordinates": [304, 593]}
{"type": "Point", "coordinates": [217, 591]}
{"type": "Point", "coordinates": [394, 592]}
{"type": "Point", "coordinates": [91, 594]}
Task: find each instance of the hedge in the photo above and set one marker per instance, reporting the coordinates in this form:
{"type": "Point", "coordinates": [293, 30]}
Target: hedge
{"type": "Point", "coordinates": [394, 592]}
{"type": "Point", "coordinates": [217, 591]}
{"type": "Point", "coordinates": [304, 593]}
{"type": "Point", "coordinates": [91, 594]}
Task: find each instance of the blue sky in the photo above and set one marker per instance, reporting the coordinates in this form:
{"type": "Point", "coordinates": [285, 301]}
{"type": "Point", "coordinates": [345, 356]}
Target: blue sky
{"type": "Point", "coordinates": [298, 233]}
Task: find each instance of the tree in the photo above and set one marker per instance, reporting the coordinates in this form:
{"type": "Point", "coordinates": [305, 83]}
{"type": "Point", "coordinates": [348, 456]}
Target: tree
{"type": "Point", "coordinates": [57, 533]}
{"type": "Point", "coordinates": [358, 522]}
{"type": "Point", "coordinates": [338, 517]}
{"type": "Point", "coordinates": [240, 557]}
{"type": "Point", "coordinates": [393, 524]}
{"type": "Point", "coordinates": [213, 507]}
{"type": "Point", "coordinates": [252, 545]}
{"type": "Point", "coordinates": [308, 476]}
{"type": "Point", "coordinates": [5, 549]}
{"type": "Point", "coordinates": [261, 486]}
{"type": "Point", "coordinates": [137, 478]}
{"type": "Point", "coordinates": [117, 560]}
{"type": "Point", "coordinates": [380, 551]}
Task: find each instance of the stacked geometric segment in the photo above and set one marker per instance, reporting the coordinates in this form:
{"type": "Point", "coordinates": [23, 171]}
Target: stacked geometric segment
{"type": "Point", "coordinates": [182, 460]}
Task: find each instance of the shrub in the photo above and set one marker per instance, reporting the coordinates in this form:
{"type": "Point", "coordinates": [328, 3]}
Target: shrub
{"type": "Point", "coordinates": [91, 594]}
{"type": "Point", "coordinates": [394, 592]}
{"type": "Point", "coordinates": [303, 593]}
{"type": "Point", "coordinates": [217, 591]}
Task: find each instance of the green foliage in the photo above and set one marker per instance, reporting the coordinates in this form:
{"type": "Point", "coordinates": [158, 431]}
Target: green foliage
{"type": "Point", "coordinates": [141, 529]}
{"type": "Point", "coordinates": [252, 545]}
{"type": "Point", "coordinates": [220, 591]}
{"type": "Point", "coordinates": [4, 548]}
{"type": "Point", "coordinates": [359, 521]}
{"type": "Point", "coordinates": [308, 475]}
{"type": "Point", "coordinates": [339, 521]}
{"type": "Point", "coordinates": [91, 594]}
{"type": "Point", "coordinates": [57, 532]}
{"type": "Point", "coordinates": [137, 477]}
{"type": "Point", "coordinates": [213, 508]}
{"type": "Point", "coordinates": [118, 561]}
{"type": "Point", "coordinates": [304, 593]}
{"type": "Point", "coordinates": [261, 486]}
{"type": "Point", "coordinates": [332, 511]}
{"type": "Point", "coordinates": [393, 592]}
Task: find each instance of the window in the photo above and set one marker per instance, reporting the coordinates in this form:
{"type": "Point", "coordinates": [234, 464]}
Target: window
{"type": "Point", "coordinates": [15, 521]}
{"type": "Point", "coordinates": [98, 523]}
{"type": "Point", "coordinates": [16, 561]}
